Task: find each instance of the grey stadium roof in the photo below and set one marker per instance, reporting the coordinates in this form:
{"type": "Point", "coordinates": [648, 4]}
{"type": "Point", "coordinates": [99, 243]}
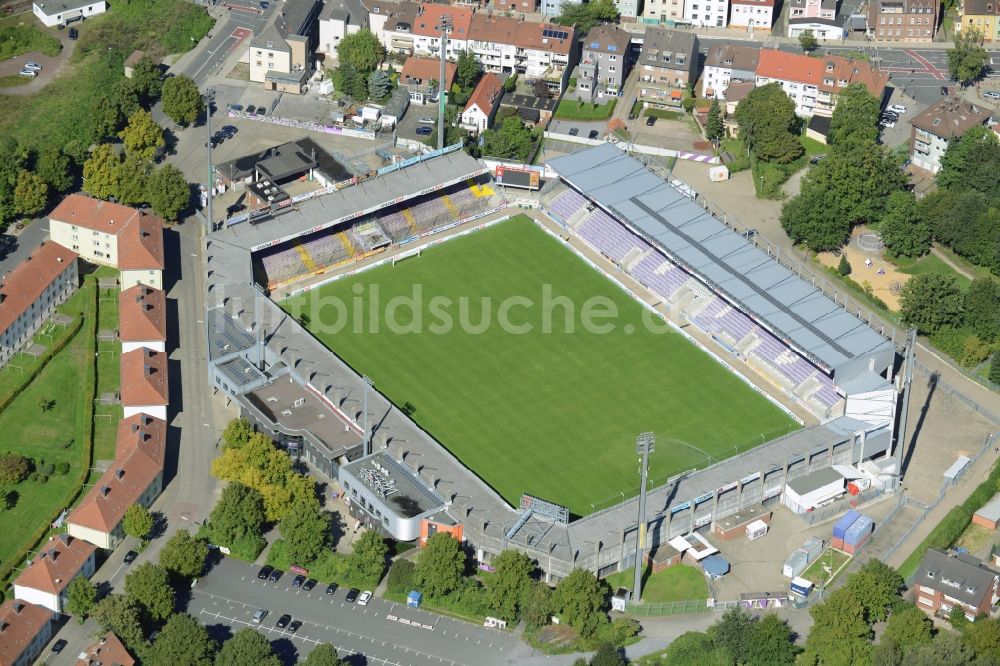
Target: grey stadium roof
{"type": "Point", "coordinates": [790, 307]}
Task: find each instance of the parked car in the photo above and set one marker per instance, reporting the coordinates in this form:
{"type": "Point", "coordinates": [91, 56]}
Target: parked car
{"type": "Point", "coordinates": [593, 134]}
{"type": "Point", "coordinates": [991, 94]}
{"type": "Point", "coordinates": [264, 4]}
{"type": "Point", "coordinates": [261, 111]}
{"type": "Point", "coordinates": [650, 121]}
{"type": "Point", "coordinates": [425, 131]}
{"type": "Point", "coordinates": [236, 107]}
{"type": "Point", "coordinates": [74, 34]}
{"type": "Point", "coordinates": [426, 121]}
{"type": "Point", "coordinates": [276, 575]}
{"type": "Point", "coordinates": [58, 646]}
{"type": "Point", "coordinates": [298, 580]}
{"type": "Point", "coordinates": [265, 572]}
{"type": "Point", "coordinates": [30, 73]}
{"type": "Point", "coordinates": [944, 90]}
{"type": "Point", "coordinates": [364, 598]}
{"type": "Point", "coordinates": [573, 131]}
{"type": "Point", "coordinates": [258, 616]}
{"type": "Point", "coordinates": [229, 130]}
{"type": "Point", "coordinates": [294, 626]}
{"type": "Point", "coordinates": [32, 65]}
{"type": "Point", "coordinates": [130, 557]}
{"type": "Point", "coordinates": [898, 108]}
{"type": "Point", "coordinates": [352, 594]}
{"type": "Point", "coordinates": [283, 621]}
{"type": "Point", "coordinates": [309, 584]}
{"type": "Point", "coordinates": [331, 588]}
{"type": "Point", "coordinates": [251, 109]}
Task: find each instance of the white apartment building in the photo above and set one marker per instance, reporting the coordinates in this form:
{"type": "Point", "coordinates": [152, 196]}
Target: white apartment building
{"type": "Point", "coordinates": [707, 13]}
{"type": "Point", "coordinates": [61, 12]}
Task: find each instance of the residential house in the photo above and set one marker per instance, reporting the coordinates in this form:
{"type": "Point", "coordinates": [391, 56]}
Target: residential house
{"type": "Point", "coordinates": [554, 7]}
{"type": "Point", "coordinates": [937, 125]}
{"type": "Point", "coordinates": [663, 12]}
{"type": "Point", "coordinates": [902, 20]}
{"type": "Point", "coordinates": [815, 9]}
{"type": "Point", "coordinates": [523, 6]}
{"type": "Point", "coordinates": [946, 579]}
{"type": "Point", "coordinates": [111, 235]}
{"type": "Point", "coordinates": [604, 63]}
{"type": "Point", "coordinates": [135, 477]}
{"type": "Point", "coordinates": [534, 51]}
{"type": "Point", "coordinates": [981, 15]}
{"type": "Point", "coordinates": [532, 109]}
{"type": "Point", "coordinates": [142, 318]}
{"type": "Point", "coordinates": [813, 83]}
{"type": "Point", "coordinates": [667, 64]}
{"type": "Point", "coordinates": [45, 580]}
{"type": "Point", "coordinates": [24, 630]}
{"type": "Point", "coordinates": [752, 14]}
{"type": "Point", "coordinates": [61, 12]}
{"type": "Point", "coordinates": [726, 64]}
{"type": "Point", "coordinates": [31, 292]}
{"type": "Point", "coordinates": [144, 386]}
{"type": "Point", "coordinates": [483, 103]}
{"type": "Point", "coordinates": [281, 54]}
{"type": "Point", "coordinates": [392, 23]}
{"type": "Point", "coordinates": [823, 29]}
{"type": "Point", "coordinates": [420, 77]}
{"type": "Point", "coordinates": [707, 13]}
{"type": "Point", "coordinates": [428, 27]}
{"type": "Point", "coordinates": [338, 19]}
{"type": "Point", "coordinates": [107, 650]}
{"type": "Point", "coordinates": [734, 95]}
{"type": "Point", "coordinates": [629, 10]}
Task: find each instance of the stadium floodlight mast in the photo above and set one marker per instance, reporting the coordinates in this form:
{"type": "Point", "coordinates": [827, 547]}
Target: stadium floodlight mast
{"type": "Point", "coordinates": [645, 444]}
{"type": "Point", "coordinates": [366, 445]}
{"type": "Point", "coordinates": [444, 25]}
{"type": "Point", "coordinates": [209, 100]}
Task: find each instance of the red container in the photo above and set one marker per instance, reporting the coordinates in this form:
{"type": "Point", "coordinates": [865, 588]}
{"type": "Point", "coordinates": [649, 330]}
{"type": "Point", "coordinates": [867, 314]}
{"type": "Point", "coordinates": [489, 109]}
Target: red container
{"type": "Point", "coordinates": [852, 488]}
{"type": "Point", "coordinates": [837, 543]}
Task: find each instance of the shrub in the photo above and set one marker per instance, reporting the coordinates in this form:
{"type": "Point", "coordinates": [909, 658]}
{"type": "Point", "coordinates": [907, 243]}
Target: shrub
{"type": "Point", "coordinates": [62, 469]}
{"type": "Point", "coordinates": [45, 468]}
{"type": "Point", "coordinates": [844, 267]}
{"type": "Point", "coordinates": [400, 579]}
{"type": "Point", "coordinates": [14, 468]}
{"type": "Point", "coordinates": [41, 478]}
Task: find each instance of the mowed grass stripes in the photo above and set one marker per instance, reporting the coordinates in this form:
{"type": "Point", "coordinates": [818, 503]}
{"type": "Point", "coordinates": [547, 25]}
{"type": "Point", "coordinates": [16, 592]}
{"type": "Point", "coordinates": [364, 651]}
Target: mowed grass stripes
{"type": "Point", "coordinates": [554, 414]}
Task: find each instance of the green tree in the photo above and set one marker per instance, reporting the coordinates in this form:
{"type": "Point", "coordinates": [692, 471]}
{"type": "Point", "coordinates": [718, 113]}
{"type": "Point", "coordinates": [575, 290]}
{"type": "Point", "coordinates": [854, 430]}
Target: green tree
{"type": "Point", "coordinates": [579, 601]}
{"type": "Point", "coordinates": [15, 159]}
{"type": "Point", "coordinates": [957, 619]}
{"type": "Point", "coordinates": [80, 598]}
{"type": "Point", "coordinates": [142, 137]}
{"type": "Point", "coordinates": [909, 626]}
{"type": "Point", "coordinates": [184, 555]}
{"type": "Point", "coordinates": [983, 636]}
{"type": "Point", "coordinates": [105, 118]}
{"type": "Point", "coordinates": [247, 648]}
{"type": "Point", "coordinates": [134, 173]}
{"type": "Point", "coordinates": [537, 606]}
{"type": "Point", "coordinates": [182, 101]}
{"type": "Point", "coordinates": [102, 173]}
{"type": "Point", "coordinates": [771, 642]}
{"type": "Point", "coordinates": [55, 168]}
{"type": "Point", "coordinates": [508, 139]}
{"type": "Point", "coordinates": [585, 15]}
{"type": "Point", "coordinates": [237, 433]}
{"type": "Point", "coordinates": [468, 70]}
{"type": "Point", "coordinates": [323, 654]}
{"type": "Point", "coordinates": [146, 78]}
{"type": "Point", "coordinates": [149, 586]}
{"type": "Point", "coordinates": [137, 522]}
{"type": "Point", "coordinates": [731, 632]}
{"type": "Point", "coordinates": [972, 162]}
{"type": "Point", "coordinates": [694, 648]}
{"type": "Point", "coordinates": [877, 587]}
{"type": "Point", "coordinates": [379, 85]}
{"type": "Point", "coordinates": [367, 559]}
{"type": "Point", "coordinates": [306, 530]}
{"type": "Point", "coordinates": [840, 635]}
{"type": "Point", "coordinates": [855, 117]}
{"type": "Point", "coordinates": [808, 41]}
{"type": "Point", "coordinates": [440, 566]}
{"type": "Point", "coordinates": [768, 124]}
{"type": "Point", "coordinates": [844, 266]}
{"type": "Point", "coordinates": [982, 308]}
{"type": "Point", "coordinates": [904, 231]}
{"type": "Point", "coordinates": [508, 586]}
{"type": "Point", "coordinates": [931, 301]}
{"type": "Point", "coordinates": [361, 51]}
{"type": "Point", "coordinates": [121, 615]}
{"type": "Point", "coordinates": [14, 468]}
{"type": "Point", "coordinates": [995, 367]}
{"type": "Point", "coordinates": [968, 60]}
{"type": "Point", "coordinates": [946, 649]}
{"type": "Point", "coordinates": [715, 129]}
{"type": "Point", "coordinates": [30, 194]}
{"type": "Point", "coordinates": [400, 577]}
{"type": "Point", "coordinates": [607, 655]}
{"type": "Point", "coordinates": [168, 192]}
{"type": "Point", "coordinates": [239, 514]}
{"type": "Point", "coordinates": [183, 640]}
{"type": "Point", "coordinates": [126, 97]}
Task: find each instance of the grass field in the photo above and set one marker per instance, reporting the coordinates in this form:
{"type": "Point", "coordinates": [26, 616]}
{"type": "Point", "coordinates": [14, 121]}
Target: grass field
{"type": "Point", "coordinates": [676, 583]}
{"type": "Point", "coordinates": [832, 558]}
{"type": "Point", "coordinates": [554, 414]}
{"type": "Point", "coordinates": [572, 110]}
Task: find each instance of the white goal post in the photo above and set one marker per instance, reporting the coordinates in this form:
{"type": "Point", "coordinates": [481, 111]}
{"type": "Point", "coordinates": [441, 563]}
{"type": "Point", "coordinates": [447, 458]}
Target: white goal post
{"type": "Point", "coordinates": [406, 255]}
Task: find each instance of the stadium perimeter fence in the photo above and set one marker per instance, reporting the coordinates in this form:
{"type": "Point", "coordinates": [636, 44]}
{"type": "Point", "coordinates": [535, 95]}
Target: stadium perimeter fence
{"type": "Point", "coordinates": [670, 608]}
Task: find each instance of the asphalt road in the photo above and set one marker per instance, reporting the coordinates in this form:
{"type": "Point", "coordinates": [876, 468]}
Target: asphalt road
{"type": "Point", "coordinates": [382, 632]}
{"type": "Point", "coordinates": [16, 248]}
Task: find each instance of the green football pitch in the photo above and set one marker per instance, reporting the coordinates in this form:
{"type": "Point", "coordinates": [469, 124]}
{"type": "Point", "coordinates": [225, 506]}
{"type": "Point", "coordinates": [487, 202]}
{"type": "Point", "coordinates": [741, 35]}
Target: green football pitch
{"type": "Point", "coordinates": [552, 411]}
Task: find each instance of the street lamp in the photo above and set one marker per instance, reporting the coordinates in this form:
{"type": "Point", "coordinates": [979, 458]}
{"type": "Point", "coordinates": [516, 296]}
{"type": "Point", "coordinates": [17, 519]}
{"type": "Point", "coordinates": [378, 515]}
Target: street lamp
{"type": "Point", "coordinates": [366, 445]}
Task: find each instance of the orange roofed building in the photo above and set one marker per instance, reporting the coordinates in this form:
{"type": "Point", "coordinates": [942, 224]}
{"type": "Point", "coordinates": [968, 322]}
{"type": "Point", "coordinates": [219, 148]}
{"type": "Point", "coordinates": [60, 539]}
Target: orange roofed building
{"type": "Point", "coordinates": [107, 651]}
{"type": "Point", "coordinates": [144, 387]}
{"type": "Point", "coordinates": [111, 235]}
{"type": "Point", "coordinates": [142, 318]}
{"type": "Point", "coordinates": [418, 73]}
{"type": "Point", "coordinates": [815, 83]}
{"type": "Point", "coordinates": [45, 580]}
{"type": "Point", "coordinates": [30, 294]}
{"type": "Point", "coordinates": [136, 477]}
{"type": "Point", "coordinates": [483, 104]}
{"type": "Point", "coordinates": [24, 630]}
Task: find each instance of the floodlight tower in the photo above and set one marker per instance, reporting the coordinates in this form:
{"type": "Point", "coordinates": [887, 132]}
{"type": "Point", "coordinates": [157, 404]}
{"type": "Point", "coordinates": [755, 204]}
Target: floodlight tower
{"type": "Point", "coordinates": [444, 25]}
{"type": "Point", "coordinates": [911, 344]}
{"type": "Point", "coordinates": [366, 444]}
{"type": "Point", "coordinates": [209, 100]}
{"type": "Point", "coordinates": [645, 444]}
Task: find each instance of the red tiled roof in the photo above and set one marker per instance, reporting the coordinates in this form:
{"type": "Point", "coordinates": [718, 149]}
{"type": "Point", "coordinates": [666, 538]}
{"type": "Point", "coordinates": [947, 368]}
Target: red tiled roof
{"type": "Point", "coordinates": [20, 622]}
{"type": "Point", "coordinates": [421, 70]}
{"type": "Point", "coordinates": [30, 278]}
{"type": "Point", "coordinates": [107, 652]}
{"type": "Point", "coordinates": [951, 117]}
{"type": "Point", "coordinates": [784, 66]}
{"type": "Point", "coordinates": [56, 564]}
{"type": "Point", "coordinates": [142, 315]}
{"type": "Point", "coordinates": [487, 93]}
{"type": "Point", "coordinates": [144, 378]}
{"type": "Point", "coordinates": [524, 34]}
{"type": "Point", "coordinates": [430, 16]}
{"type": "Point", "coordinates": [140, 246]}
{"type": "Point", "coordinates": [90, 213]}
{"type": "Point", "coordinates": [139, 456]}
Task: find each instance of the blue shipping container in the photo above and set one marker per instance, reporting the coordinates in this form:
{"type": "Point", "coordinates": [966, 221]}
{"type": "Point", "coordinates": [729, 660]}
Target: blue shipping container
{"type": "Point", "coordinates": [859, 531]}
{"type": "Point", "coordinates": [841, 526]}
{"type": "Point", "coordinates": [801, 586]}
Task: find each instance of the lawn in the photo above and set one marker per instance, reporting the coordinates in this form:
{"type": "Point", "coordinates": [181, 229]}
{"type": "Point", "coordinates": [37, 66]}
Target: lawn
{"type": "Point", "coordinates": [22, 34]}
{"type": "Point", "coordinates": [930, 263]}
{"type": "Point", "coordinates": [553, 411]}
{"type": "Point", "coordinates": [106, 417]}
{"type": "Point", "coordinates": [974, 538]}
{"type": "Point", "coordinates": [832, 558]}
{"type": "Point", "coordinates": [572, 110]}
{"type": "Point", "coordinates": [676, 583]}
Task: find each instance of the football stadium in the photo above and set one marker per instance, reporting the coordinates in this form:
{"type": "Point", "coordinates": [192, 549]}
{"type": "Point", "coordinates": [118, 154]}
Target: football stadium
{"type": "Point", "coordinates": [458, 364]}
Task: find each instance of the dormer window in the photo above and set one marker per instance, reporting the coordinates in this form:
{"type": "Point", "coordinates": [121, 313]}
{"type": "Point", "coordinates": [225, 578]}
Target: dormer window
{"type": "Point", "coordinates": [829, 67]}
